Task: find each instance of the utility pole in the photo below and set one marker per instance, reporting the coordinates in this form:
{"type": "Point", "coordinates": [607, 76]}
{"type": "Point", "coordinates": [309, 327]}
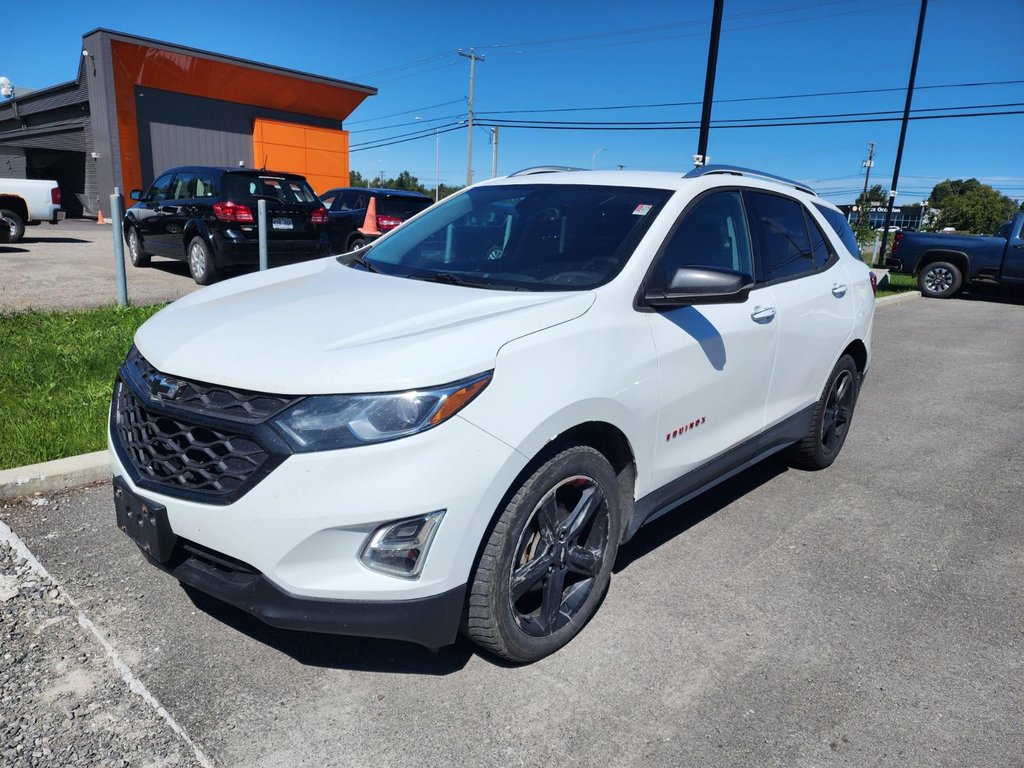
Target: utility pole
{"type": "Point", "coordinates": [867, 176]}
{"type": "Point", "coordinates": [473, 59]}
{"type": "Point", "coordinates": [494, 152]}
{"type": "Point", "coordinates": [903, 130]}
{"type": "Point", "coordinates": [701, 158]}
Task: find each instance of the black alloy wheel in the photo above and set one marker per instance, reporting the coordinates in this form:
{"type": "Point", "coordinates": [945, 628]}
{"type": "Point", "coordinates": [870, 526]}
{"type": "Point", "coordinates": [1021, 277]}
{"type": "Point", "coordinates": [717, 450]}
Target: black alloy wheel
{"type": "Point", "coordinates": [833, 415]}
{"type": "Point", "coordinates": [548, 561]}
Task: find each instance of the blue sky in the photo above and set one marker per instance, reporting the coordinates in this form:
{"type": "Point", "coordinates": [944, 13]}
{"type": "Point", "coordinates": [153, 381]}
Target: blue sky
{"type": "Point", "coordinates": [560, 55]}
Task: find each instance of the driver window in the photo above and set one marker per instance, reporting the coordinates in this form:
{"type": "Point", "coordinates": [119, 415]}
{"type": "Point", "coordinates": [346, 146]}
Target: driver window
{"type": "Point", "coordinates": [160, 188]}
{"type": "Point", "coordinates": [712, 234]}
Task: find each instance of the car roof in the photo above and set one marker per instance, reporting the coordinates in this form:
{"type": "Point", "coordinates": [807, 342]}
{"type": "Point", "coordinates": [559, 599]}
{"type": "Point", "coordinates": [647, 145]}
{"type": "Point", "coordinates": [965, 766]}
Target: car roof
{"type": "Point", "coordinates": [221, 169]}
{"type": "Point", "coordinates": [382, 191]}
{"type": "Point", "coordinates": [667, 180]}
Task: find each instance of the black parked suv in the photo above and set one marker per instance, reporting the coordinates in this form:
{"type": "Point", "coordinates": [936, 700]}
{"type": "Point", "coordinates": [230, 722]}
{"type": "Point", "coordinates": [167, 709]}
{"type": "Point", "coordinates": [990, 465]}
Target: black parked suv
{"type": "Point", "coordinates": [208, 217]}
{"type": "Point", "coordinates": [346, 212]}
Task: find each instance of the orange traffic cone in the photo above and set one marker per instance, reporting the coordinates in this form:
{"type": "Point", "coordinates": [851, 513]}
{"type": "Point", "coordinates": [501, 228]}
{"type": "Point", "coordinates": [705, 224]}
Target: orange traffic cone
{"type": "Point", "coordinates": [99, 219]}
{"type": "Point", "coordinates": [370, 221]}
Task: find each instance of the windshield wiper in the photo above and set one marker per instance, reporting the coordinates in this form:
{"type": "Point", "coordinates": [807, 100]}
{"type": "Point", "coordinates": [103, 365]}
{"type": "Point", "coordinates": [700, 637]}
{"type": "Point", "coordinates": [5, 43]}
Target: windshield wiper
{"type": "Point", "coordinates": [362, 261]}
{"type": "Point", "coordinates": [449, 278]}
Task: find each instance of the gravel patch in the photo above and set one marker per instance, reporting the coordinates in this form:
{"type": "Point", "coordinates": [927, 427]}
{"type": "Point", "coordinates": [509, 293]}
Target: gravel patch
{"type": "Point", "coordinates": [63, 700]}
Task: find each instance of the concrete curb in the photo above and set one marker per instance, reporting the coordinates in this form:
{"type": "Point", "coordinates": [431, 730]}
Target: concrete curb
{"type": "Point", "coordinates": [56, 475]}
{"type": "Point", "coordinates": [898, 298]}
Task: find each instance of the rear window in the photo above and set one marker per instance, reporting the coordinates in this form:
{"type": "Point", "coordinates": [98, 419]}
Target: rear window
{"type": "Point", "coordinates": [403, 207]}
{"type": "Point", "coordinates": [837, 221]}
{"type": "Point", "coordinates": [240, 186]}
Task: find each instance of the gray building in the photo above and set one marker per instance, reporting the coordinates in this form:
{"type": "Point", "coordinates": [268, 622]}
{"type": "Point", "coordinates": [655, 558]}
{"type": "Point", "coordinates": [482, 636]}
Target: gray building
{"type": "Point", "coordinates": [138, 106]}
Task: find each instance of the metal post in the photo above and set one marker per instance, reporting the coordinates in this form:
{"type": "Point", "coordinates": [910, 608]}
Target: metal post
{"type": "Point", "coordinates": [494, 152]}
{"type": "Point", "coordinates": [473, 59]}
{"type": "Point", "coordinates": [701, 158]}
{"type": "Point", "coordinates": [903, 130]}
{"type": "Point", "coordinates": [261, 210]}
{"type": "Point", "coordinates": [437, 165]}
{"type": "Point", "coordinates": [116, 220]}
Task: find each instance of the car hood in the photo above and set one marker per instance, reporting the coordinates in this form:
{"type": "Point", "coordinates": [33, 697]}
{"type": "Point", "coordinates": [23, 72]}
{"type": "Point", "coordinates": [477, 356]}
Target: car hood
{"type": "Point", "coordinates": [321, 327]}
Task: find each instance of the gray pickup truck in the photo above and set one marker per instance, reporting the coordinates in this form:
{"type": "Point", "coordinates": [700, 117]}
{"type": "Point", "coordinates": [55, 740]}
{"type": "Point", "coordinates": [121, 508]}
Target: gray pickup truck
{"type": "Point", "coordinates": [945, 263]}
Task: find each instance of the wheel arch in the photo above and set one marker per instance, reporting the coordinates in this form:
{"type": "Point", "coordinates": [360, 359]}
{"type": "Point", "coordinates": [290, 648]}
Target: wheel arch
{"type": "Point", "coordinates": [605, 438]}
{"type": "Point", "coordinates": [958, 259]}
{"type": "Point", "coordinates": [16, 204]}
{"type": "Point", "coordinates": [858, 350]}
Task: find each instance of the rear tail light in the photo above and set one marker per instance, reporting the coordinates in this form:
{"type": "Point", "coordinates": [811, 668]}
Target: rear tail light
{"type": "Point", "coordinates": [897, 238]}
{"type": "Point", "coordinates": [385, 223]}
{"type": "Point", "coordinates": [55, 196]}
{"type": "Point", "coordinates": [230, 211]}
{"type": "Point", "coordinates": [874, 281]}
{"type": "Point", "coordinates": [319, 216]}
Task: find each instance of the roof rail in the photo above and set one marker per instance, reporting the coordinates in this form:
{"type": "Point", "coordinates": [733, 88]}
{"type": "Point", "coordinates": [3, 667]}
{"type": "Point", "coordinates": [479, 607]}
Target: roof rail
{"type": "Point", "coordinates": [544, 169]}
{"type": "Point", "coordinates": [735, 170]}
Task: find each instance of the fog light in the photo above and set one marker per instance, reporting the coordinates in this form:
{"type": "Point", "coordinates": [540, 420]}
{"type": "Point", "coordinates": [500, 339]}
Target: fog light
{"type": "Point", "coordinates": [400, 548]}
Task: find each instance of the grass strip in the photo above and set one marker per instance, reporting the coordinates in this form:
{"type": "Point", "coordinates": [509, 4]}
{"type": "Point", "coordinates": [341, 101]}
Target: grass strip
{"type": "Point", "coordinates": [56, 375]}
{"type": "Point", "coordinates": [898, 284]}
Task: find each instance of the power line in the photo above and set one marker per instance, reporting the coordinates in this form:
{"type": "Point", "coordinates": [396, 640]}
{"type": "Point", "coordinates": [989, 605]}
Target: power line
{"type": "Point", "coordinates": [406, 112]}
{"type": "Point", "coordinates": [746, 98]}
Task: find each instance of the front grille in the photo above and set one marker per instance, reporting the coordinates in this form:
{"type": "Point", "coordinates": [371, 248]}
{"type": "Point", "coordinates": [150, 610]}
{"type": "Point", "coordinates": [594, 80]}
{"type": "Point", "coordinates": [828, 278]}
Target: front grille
{"type": "Point", "coordinates": [178, 455]}
{"type": "Point", "coordinates": [208, 399]}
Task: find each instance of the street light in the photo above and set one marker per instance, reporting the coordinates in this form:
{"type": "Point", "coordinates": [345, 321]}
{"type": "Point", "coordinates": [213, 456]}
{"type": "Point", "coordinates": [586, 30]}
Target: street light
{"type": "Point", "coordinates": [437, 158]}
{"type": "Point", "coordinates": [593, 157]}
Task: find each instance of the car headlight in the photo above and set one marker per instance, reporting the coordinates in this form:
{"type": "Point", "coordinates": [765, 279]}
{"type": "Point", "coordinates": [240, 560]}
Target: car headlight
{"type": "Point", "coordinates": [326, 422]}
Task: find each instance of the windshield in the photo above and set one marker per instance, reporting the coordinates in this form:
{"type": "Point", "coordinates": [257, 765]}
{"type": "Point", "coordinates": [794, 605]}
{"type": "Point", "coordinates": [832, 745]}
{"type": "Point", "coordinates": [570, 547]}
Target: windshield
{"type": "Point", "coordinates": [529, 236]}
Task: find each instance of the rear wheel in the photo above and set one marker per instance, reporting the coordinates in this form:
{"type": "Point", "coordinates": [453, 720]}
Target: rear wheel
{"type": "Point", "coordinates": [356, 242]}
{"type": "Point", "coordinates": [200, 262]}
{"type": "Point", "coordinates": [15, 225]}
{"type": "Point", "coordinates": [940, 280]}
{"type": "Point", "coordinates": [135, 251]}
{"type": "Point", "coordinates": [548, 561]}
{"type": "Point", "coordinates": [832, 418]}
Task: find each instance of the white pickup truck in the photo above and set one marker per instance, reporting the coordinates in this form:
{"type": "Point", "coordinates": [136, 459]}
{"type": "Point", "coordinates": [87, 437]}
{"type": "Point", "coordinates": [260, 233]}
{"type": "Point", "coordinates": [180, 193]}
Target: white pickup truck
{"type": "Point", "coordinates": [26, 202]}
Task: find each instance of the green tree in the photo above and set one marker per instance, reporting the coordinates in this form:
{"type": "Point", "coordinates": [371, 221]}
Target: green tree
{"type": "Point", "coordinates": [863, 230]}
{"type": "Point", "coordinates": [405, 181]}
{"type": "Point", "coordinates": [970, 206]}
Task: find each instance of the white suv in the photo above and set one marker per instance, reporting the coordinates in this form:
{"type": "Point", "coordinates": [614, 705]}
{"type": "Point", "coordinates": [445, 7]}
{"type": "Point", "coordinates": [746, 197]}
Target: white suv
{"type": "Point", "coordinates": [461, 423]}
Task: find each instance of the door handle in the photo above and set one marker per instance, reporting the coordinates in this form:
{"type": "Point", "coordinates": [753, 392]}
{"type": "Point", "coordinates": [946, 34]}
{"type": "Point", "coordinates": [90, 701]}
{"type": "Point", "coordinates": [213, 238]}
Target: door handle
{"type": "Point", "coordinates": [838, 290]}
{"type": "Point", "coordinates": [763, 315]}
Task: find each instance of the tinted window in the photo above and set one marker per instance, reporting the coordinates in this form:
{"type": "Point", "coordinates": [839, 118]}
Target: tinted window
{"type": "Point", "coordinates": [355, 200]}
{"type": "Point", "coordinates": [712, 234]}
{"type": "Point", "coordinates": [160, 187]}
{"type": "Point", "coordinates": [241, 186]}
{"type": "Point", "coordinates": [837, 221]}
{"type": "Point", "coordinates": [820, 248]}
{"type": "Point", "coordinates": [780, 229]}
{"type": "Point", "coordinates": [328, 199]}
{"type": "Point", "coordinates": [529, 236]}
{"type": "Point", "coordinates": [190, 185]}
{"type": "Point", "coordinates": [400, 206]}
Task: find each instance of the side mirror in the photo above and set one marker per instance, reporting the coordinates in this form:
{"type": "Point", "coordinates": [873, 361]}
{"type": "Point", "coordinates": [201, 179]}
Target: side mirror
{"type": "Point", "coordinates": [701, 285]}
{"type": "Point", "coordinates": [135, 194]}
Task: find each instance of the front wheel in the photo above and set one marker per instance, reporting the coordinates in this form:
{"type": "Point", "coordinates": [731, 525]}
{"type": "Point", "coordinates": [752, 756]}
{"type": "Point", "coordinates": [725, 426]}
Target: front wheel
{"type": "Point", "coordinates": [15, 225]}
{"type": "Point", "coordinates": [200, 262]}
{"type": "Point", "coordinates": [548, 561]}
{"type": "Point", "coordinates": [135, 252]}
{"type": "Point", "coordinates": [832, 417]}
{"type": "Point", "coordinates": [940, 280]}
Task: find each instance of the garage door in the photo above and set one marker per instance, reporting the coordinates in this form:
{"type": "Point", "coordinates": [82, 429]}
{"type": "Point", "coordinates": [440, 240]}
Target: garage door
{"type": "Point", "coordinates": [319, 154]}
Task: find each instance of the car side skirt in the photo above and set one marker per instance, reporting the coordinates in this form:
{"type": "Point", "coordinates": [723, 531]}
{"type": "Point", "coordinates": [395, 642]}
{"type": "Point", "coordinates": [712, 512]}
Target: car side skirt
{"type": "Point", "coordinates": [721, 468]}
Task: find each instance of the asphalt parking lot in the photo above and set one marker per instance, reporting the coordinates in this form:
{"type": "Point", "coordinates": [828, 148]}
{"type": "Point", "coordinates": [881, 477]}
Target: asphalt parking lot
{"type": "Point", "coordinates": [870, 614]}
{"type": "Point", "coordinates": [71, 266]}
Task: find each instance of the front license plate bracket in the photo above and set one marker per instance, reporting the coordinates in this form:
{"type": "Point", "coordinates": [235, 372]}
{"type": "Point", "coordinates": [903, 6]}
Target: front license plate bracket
{"type": "Point", "coordinates": [144, 521]}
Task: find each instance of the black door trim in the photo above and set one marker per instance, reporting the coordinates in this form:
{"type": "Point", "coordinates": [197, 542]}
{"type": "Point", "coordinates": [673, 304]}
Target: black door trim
{"type": "Point", "coordinates": [721, 468]}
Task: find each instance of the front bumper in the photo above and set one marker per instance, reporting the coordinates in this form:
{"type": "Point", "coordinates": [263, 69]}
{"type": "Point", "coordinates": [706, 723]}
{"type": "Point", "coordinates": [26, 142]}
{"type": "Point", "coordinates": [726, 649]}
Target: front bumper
{"type": "Point", "coordinates": [429, 621]}
{"type": "Point", "coordinates": [298, 533]}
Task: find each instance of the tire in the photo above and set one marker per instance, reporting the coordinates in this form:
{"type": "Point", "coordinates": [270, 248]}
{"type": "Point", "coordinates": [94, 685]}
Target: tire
{"type": "Point", "coordinates": [15, 224]}
{"type": "Point", "coordinates": [356, 242]}
{"type": "Point", "coordinates": [200, 262]}
{"type": "Point", "coordinates": [548, 561]}
{"type": "Point", "coordinates": [940, 280]}
{"type": "Point", "coordinates": [832, 418]}
{"type": "Point", "coordinates": [136, 252]}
